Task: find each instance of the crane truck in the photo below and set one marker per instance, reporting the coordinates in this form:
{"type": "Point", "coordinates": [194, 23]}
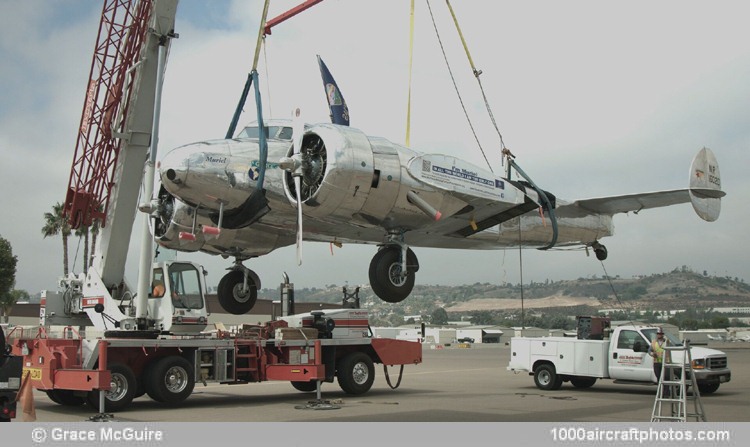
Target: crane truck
{"type": "Point", "coordinates": [602, 352]}
{"type": "Point", "coordinates": [154, 340]}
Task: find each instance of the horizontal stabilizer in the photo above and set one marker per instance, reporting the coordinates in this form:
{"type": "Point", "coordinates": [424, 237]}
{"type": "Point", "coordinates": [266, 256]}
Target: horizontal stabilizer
{"type": "Point", "coordinates": [704, 193]}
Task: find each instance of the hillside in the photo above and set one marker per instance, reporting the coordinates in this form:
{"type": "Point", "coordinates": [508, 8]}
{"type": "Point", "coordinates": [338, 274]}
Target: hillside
{"type": "Point", "coordinates": [679, 289]}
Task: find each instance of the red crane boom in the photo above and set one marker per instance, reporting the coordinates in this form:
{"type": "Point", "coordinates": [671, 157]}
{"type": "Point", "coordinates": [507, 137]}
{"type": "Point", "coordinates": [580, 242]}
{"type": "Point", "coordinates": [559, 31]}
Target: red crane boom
{"type": "Point", "coordinates": [122, 29]}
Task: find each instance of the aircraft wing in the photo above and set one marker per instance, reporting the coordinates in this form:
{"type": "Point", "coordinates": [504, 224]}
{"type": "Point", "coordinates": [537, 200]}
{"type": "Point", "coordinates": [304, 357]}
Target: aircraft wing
{"type": "Point", "coordinates": [485, 199]}
{"type": "Point", "coordinates": [632, 202]}
{"type": "Point", "coordinates": [704, 193]}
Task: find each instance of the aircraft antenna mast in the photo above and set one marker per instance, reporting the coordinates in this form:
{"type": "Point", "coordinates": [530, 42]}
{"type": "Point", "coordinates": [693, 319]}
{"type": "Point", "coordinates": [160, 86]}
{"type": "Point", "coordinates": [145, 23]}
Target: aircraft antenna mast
{"type": "Point", "coordinates": [122, 28]}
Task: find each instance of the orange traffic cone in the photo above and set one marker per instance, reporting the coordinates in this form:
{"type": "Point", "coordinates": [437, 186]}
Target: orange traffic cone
{"type": "Point", "coordinates": [26, 399]}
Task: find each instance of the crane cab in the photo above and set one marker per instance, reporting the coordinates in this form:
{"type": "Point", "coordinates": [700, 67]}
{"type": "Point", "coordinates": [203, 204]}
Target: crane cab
{"type": "Point", "coordinates": [177, 298]}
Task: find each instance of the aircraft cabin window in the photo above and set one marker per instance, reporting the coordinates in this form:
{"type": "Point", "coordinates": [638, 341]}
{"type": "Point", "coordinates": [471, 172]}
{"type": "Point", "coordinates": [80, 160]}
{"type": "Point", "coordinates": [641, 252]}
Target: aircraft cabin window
{"type": "Point", "coordinates": [272, 132]}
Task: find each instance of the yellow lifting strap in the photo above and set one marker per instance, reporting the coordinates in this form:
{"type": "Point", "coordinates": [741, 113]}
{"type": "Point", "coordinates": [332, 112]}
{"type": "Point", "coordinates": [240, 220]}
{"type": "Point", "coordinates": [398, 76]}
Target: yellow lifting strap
{"type": "Point", "coordinates": [463, 41]}
{"type": "Point", "coordinates": [411, 58]}
{"type": "Point", "coordinates": [260, 35]}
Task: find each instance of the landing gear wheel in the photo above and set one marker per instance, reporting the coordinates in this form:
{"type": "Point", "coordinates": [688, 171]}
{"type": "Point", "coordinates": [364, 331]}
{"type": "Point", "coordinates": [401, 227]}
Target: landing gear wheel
{"type": "Point", "coordinates": [231, 296]}
{"type": "Point", "coordinates": [170, 380]}
{"type": "Point", "coordinates": [305, 387]}
{"type": "Point", "coordinates": [123, 387]}
{"type": "Point", "coordinates": [583, 382]}
{"type": "Point", "coordinates": [356, 373]}
{"type": "Point", "coordinates": [385, 274]}
{"type": "Point", "coordinates": [67, 398]}
{"type": "Point", "coordinates": [546, 378]}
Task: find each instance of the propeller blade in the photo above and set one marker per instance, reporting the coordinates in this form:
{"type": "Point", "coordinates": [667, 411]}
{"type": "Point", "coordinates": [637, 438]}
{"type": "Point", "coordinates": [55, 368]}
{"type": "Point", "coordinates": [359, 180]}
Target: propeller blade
{"type": "Point", "coordinates": [297, 188]}
{"type": "Point", "coordinates": [298, 130]}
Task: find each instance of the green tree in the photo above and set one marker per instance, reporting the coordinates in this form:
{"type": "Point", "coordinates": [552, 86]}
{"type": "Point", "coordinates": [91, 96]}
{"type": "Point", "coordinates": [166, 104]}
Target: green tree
{"type": "Point", "coordinates": [439, 316]}
{"type": "Point", "coordinates": [8, 263]}
{"type": "Point", "coordinates": [482, 317]}
{"type": "Point", "coordinates": [55, 223]}
{"type": "Point", "coordinates": [9, 299]}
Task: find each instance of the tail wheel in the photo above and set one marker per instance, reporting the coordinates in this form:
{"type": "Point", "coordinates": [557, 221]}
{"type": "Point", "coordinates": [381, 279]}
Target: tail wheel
{"type": "Point", "coordinates": [170, 380]}
{"type": "Point", "coordinates": [231, 296]}
{"type": "Point", "coordinates": [546, 378]}
{"type": "Point", "coordinates": [386, 279]}
{"type": "Point", "coordinates": [356, 373]}
{"type": "Point", "coordinates": [123, 388]}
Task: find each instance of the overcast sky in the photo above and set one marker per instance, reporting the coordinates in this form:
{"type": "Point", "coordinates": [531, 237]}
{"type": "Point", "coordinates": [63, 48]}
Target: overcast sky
{"type": "Point", "coordinates": [594, 98]}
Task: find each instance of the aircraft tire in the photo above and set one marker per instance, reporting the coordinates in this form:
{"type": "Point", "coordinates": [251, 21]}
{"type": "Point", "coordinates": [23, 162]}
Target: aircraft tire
{"type": "Point", "coordinates": [601, 253]}
{"type": "Point", "coordinates": [170, 380]}
{"type": "Point", "coordinates": [385, 268]}
{"type": "Point", "coordinates": [546, 378]}
{"type": "Point", "coordinates": [230, 293]}
{"type": "Point", "coordinates": [124, 388]}
{"type": "Point", "coordinates": [355, 373]}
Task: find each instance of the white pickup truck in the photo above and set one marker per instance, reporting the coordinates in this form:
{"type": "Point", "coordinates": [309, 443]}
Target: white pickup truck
{"type": "Point", "coordinates": [622, 357]}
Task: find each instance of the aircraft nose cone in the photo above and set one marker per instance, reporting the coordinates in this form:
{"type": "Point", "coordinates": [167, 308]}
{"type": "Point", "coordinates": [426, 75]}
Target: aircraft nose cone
{"type": "Point", "coordinates": [174, 167]}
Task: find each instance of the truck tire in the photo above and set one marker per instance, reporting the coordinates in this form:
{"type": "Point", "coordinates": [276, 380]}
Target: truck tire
{"type": "Point", "coordinates": [546, 378]}
{"type": "Point", "coordinates": [67, 398]}
{"type": "Point", "coordinates": [356, 373]}
{"type": "Point", "coordinates": [123, 387]}
{"type": "Point", "coordinates": [170, 380]}
{"type": "Point", "coordinates": [305, 387]}
{"type": "Point", "coordinates": [708, 388]}
{"type": "Point", "coordinates": [582, 382]}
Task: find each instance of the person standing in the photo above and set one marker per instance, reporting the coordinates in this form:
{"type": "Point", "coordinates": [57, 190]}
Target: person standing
{"type": "Point", "coordinates": [657, 352]}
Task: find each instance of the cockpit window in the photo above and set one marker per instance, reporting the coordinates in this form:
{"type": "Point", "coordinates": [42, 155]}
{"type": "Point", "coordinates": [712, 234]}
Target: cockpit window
{"type": "Point", "coordinates": [272, 132]}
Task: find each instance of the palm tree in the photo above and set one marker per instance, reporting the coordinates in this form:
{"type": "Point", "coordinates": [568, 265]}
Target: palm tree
{"type": "Point", "coordinates": [55, 223]}
{"type": "Point", "coordinates": [96, 225]}
{"type": "Point", "coordinates": [83, 232]}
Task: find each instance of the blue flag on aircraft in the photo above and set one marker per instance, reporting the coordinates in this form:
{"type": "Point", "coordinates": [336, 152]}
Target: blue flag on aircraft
{"type": "Point", "coordinates": [339, 110]}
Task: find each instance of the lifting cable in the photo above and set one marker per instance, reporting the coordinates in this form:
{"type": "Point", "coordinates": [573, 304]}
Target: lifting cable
{"type": "Point", "coordinates": [477, 73]}
{"type": "Point", "coordinates": [388, 379]}
{"type": "Point", "coordinates": [455, 86]}
{"type": "Point", "coordinates": [411, 59]}
{"type": "Point", "coordinates": [614, 292]}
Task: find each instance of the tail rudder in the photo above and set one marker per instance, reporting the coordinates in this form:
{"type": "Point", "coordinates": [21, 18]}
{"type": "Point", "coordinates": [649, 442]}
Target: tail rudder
{"type": "Point", "coordinates": [705, 185]}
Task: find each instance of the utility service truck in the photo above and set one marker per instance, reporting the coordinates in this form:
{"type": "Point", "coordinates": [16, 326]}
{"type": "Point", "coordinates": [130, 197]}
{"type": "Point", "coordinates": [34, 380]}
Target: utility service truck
{"type": "Point", "coordinates": [601, 352]}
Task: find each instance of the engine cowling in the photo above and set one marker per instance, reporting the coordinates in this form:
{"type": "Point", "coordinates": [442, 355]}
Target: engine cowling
{"type": "Point", "coordinates": [348, 175]}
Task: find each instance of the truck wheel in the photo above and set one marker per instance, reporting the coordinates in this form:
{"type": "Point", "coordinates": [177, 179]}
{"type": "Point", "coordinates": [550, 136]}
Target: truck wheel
{"type": "Point", "coordinates": [67, 398]}
{"type": "Point", "coordinates": [305, 387]}
{"type": "Point", "coordinates": [122, 390]}
{"type": "Point", "coordinates": [230, 293]}
{"type": "Point", "coordinates": [583, 382]}
{"type": "Point", "coordinates": [546, 378]}
{"type": "Point", "coordinates": [170, 380]}
{"type": "Point", "coordinates": [356, 373]}
{"type": "Point", "coordinates": [385, 274]}
{"type": "Point", "coordinates": [708, 388]}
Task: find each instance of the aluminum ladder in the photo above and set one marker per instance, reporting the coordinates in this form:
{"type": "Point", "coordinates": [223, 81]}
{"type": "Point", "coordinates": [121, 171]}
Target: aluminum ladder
{"type": "Point", "coordinates": [677, 387]}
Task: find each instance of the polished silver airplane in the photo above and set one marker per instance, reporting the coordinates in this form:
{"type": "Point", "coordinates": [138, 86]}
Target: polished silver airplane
{"type": "Point", "coordinates": [355, 188]}
{"type": "Point", "coordinates": [246, 196]}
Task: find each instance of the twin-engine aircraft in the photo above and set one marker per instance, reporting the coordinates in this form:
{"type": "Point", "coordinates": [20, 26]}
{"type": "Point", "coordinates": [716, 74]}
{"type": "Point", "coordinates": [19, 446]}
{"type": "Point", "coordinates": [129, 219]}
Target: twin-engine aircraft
{"type": "Point", "coordinates": [282, 182]}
